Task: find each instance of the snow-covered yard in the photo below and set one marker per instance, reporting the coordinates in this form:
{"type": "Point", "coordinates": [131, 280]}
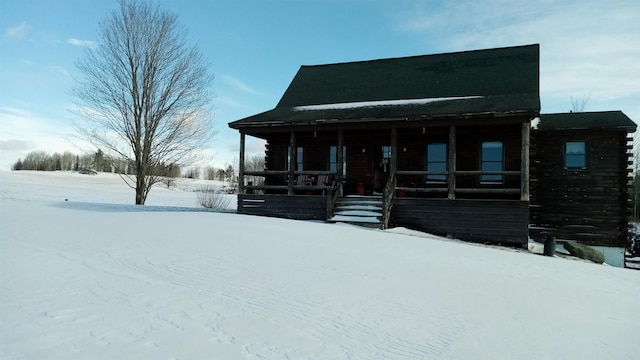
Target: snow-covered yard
{"type": "Point", "coordinates": [95, 278]}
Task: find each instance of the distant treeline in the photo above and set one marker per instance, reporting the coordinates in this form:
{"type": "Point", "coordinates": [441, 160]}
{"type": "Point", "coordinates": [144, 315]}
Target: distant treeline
{"type": "Point", "coordinates": [67, 161]}
{"type": "Point", "coordinates": [100, 162]}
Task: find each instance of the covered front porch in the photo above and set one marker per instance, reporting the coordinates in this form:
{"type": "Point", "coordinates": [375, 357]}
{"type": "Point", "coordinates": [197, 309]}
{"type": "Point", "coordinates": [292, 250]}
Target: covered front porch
{"type": "Point", "coordinates": [462, 180]}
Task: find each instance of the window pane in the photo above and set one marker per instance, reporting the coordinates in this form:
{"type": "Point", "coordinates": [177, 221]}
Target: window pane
{"type": "Point", "coordinates": [437, 161]}
{"type": "Point", "coordinates": [492, 160]}
{"type": "Point", "coordinates": [575, 161]}
{"type": "Point", "coordinates": [575, 155]}
{"type": "Point", "coordinates": [300, 159]}
{"type": "Point", "coordinates": [492, 166]}
{"type": "Point", "coordinates": [492, 151]}
{"type": "Point", "coordinates": [436, 152]}
{"type": "Point", "coordinates": [437, 167]}
{"type": "Point", "coordinates": [333, 159]}
{"type": "Point", "coordinates": [299, 153]}
{"type": "Point", "coordinates": [386, 152]}
{"type": "Point", "coordinates": [575, 147]}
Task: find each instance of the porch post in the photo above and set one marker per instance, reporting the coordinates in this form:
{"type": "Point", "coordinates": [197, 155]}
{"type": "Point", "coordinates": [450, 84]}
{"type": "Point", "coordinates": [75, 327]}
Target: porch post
{"type": "Point", "coordinates": [524, 162]}
{"type": "Point", "coordinates": [451, 175]}
{"type": "Point", "coordinates": [292, 161]}
{"type": "Point", "coordinates": [241, 165]}
{"type": "Point", "coordinates": [340, 160]}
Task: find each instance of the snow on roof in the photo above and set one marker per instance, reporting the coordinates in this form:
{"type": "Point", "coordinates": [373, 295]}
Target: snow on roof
{"type": "Point", "coordinates": [361, 104]}
{"type": "Point", "coordinates": [534, 123]}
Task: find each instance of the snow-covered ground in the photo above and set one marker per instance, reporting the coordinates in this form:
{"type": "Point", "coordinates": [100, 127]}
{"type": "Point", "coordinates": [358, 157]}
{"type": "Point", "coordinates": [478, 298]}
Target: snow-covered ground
{"type": "Point", "coordinates": [96, 278]}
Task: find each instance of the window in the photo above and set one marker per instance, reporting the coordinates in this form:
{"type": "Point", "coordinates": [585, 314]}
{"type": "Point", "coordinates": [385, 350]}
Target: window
{"type": "Point", "coordinates": [575, 156]}
{"type": "Point", "coordinates": [386, 152]}
{"type": "Point", "coordinates": [436, 161]}
{"type": "Point", "coordinates": [492, 160]}
{"type": "Point", "coordinates": [333, 159]}
{"type": "Point", "coordinates": [299, 155]}
{"type": "Point", "coordinates": [385, 162]}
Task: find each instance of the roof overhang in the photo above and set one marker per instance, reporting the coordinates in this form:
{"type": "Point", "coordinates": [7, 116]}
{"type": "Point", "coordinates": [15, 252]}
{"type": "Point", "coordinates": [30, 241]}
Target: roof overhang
{"type": "Point", "coordinates": [410, 110]}
{"type": "Point", "coordinates": [596, 120]}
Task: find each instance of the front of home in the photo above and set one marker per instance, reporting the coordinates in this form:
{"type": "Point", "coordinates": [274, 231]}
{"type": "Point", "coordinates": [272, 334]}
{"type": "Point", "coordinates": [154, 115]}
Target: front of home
{"type": "Point", "coordinates": [439, 143]}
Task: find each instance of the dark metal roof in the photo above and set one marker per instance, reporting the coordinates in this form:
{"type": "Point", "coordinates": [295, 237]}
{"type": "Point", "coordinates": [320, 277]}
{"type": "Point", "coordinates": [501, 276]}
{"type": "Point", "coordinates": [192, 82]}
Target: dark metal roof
{"type": "Point", "coordinates": [501, 81]}
{"type": "Point", "coordinates": [586, 120]}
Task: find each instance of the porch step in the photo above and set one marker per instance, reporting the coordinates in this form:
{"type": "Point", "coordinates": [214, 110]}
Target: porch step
{"type": "Point", "coordinates": [358, 210]}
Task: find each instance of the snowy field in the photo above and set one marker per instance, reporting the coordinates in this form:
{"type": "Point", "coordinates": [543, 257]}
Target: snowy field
{"type": "Point", "coordinates": [96, 278]}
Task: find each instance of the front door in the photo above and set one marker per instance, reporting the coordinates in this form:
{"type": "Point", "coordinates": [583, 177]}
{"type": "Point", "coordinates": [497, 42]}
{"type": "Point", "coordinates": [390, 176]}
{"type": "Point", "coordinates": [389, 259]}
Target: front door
{"type": "Point", "coordinates": [368, 168]}
{"type": "Point", "coordinates": [381, 167]}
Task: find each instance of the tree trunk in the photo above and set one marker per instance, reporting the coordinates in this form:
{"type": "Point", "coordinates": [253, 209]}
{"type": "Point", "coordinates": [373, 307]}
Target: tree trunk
{"type": "Point", "coordinates": [141, 185]}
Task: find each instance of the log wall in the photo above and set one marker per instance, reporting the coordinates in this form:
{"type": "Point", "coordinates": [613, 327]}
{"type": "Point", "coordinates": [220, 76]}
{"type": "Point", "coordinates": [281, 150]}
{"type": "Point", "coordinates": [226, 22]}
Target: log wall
{"type": "Point", "coordinates": [296, 207]}
{"type": "Point", "coordinates": [491, 221]}
{"type": "Point", "coordinates": [590, 205]}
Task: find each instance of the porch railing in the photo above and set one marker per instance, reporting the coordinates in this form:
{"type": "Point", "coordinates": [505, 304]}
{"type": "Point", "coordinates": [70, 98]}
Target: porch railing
{"type": "Point", "coordinates": [308, 181]}
{"type": "Point", "coordinates": [301, 181]}
{"type": "Point", "coordinates": [489, 187]}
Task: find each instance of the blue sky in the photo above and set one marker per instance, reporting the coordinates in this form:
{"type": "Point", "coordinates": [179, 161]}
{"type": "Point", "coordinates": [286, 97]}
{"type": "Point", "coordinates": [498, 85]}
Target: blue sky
{"type": "Point", "coordinates": [589, 48]}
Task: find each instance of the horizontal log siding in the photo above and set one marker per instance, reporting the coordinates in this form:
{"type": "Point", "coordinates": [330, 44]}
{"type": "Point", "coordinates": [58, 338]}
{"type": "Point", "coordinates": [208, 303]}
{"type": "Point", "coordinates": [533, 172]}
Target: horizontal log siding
{"type": "Point", "coordinates": [590, 205]}
{"type": "Point", "coordinates": [297, 207]}
{"type": "Point", "coordinates": [494, 221]}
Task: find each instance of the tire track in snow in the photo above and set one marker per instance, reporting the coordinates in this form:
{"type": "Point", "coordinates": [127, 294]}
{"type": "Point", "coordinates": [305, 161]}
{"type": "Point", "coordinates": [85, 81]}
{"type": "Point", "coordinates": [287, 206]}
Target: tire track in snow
{"type": "Point", "coordinates": [249, 292]}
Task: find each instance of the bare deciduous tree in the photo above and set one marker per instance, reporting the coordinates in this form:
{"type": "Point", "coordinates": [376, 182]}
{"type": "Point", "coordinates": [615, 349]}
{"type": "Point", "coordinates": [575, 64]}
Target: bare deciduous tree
{"type": "Point", "coordinates": [255, 163]}
{"type": "Point", "coordinates": [144, 93]}
{"type": "Point", "coordinates": [230, 175]}
{"type": "Point", "coordinates": [579, 105]}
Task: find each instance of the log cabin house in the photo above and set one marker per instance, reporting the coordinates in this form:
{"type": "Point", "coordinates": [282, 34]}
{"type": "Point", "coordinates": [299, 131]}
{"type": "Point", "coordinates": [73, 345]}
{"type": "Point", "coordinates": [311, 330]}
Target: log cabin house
{"type": "Point", "coordinates": [439, 143]}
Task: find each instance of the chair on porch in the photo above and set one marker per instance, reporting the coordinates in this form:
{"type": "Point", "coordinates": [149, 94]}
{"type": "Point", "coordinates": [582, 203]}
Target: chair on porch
{"type": "Point", "coordinates": [302, 180]}
{"type": "Point", "coordinates": [324, 180]}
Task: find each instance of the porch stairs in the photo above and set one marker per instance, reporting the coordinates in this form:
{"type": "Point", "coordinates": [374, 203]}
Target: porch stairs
{"type": "Point", "coordinates": [358, 210]}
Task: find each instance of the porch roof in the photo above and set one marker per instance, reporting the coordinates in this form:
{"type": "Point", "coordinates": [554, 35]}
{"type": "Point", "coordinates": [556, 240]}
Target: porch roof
{"type": "Point", "coordinates": [493, 82]}
{"type": "Point", "coordinates": [586, 120]}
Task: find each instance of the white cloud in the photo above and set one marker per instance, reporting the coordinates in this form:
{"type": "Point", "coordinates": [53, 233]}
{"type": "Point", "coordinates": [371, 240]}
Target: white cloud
{"type": "Point", "coordinates": [82, 43]}
{"type": "Point", "coordinates": [238, 84]}
{"type": "Point", "coordinates": [15, 145]}
{"type": "Point", "coordinates": [22, 131]}
{"type": "Point", "coordinates": [228, 101]}
{"type": "Point", "coordinates": [59, 70]}
{"type": "Point", "coordinates": [586, 47]}
{"type": "Point", "coordinates": [255, 146]}
{"type": "Point", "coordinates": [17, 31]}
